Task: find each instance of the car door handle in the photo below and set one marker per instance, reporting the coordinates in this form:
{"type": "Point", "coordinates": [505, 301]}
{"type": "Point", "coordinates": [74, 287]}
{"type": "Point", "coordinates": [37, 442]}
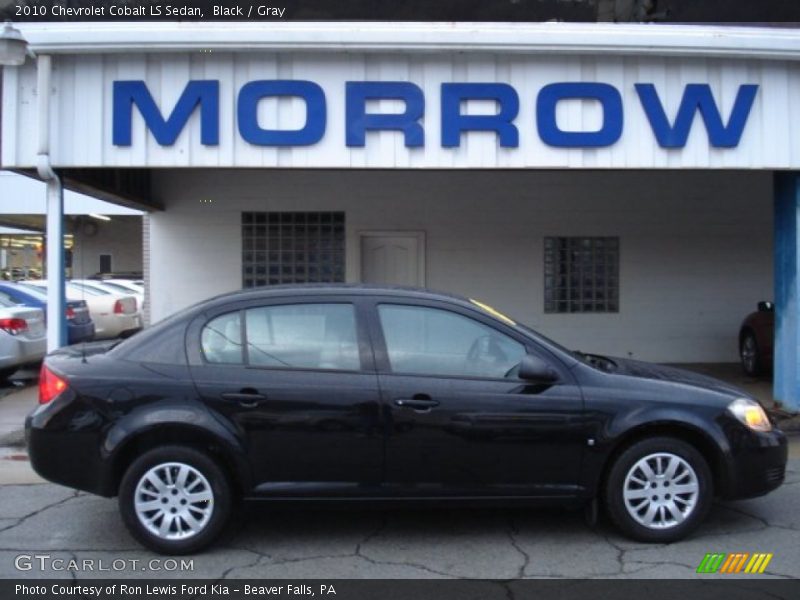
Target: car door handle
{"type": "Point", "coordinates": [247, 399]}
{"type": "Point", "coordinates": [420, 404]}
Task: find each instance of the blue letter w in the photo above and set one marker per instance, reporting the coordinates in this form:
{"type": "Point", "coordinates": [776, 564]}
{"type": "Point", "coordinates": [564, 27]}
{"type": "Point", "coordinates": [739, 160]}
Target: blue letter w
{"type": "Point", "coordinates": [697, 96]}
{"type": "Point", "coordinates": [128, 93]}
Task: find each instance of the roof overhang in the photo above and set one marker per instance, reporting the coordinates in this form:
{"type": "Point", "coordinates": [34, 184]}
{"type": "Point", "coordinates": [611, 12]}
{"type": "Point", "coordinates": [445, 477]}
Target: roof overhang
{"type": "Point", "coordinates": [551, 37]}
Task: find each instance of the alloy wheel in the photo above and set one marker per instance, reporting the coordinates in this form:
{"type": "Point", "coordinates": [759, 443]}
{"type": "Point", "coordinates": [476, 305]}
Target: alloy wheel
{"type": "Point", "coordinates": [173, 501]}
{"type": "Point", "coordinates": [661, 491]}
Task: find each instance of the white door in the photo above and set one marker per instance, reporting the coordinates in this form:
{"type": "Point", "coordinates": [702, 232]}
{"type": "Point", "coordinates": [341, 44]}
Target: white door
{"type": "Point", "coordinates": [393, 258]}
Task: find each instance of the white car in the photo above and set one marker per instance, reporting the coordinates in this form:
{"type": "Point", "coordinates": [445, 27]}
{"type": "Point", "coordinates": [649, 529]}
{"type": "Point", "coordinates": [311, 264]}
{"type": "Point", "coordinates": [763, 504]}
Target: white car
{"type": "Point", "coordinates": [112, 287]}
{"type": "Point", "coordinates": [135, 285]}
{"type": "Point", "coordinates": [113, 315]}
{"type": "Point", "coordinates": [23, 338]}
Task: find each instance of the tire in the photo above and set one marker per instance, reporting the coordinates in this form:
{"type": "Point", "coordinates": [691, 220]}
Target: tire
{"type": "Point", "coordinates": [197, 523]}
{"type": "Point", "coordinates": [657, 514]}
{"type": "Point", "coordinates": [750, 355]}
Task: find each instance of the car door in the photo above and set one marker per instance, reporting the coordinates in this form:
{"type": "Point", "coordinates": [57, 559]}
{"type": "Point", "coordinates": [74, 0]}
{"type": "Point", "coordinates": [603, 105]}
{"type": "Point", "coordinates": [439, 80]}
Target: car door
{"type": "Point", "coordinates": [459, 420]}
{"type": "Point", "coordinates": [296, 378]}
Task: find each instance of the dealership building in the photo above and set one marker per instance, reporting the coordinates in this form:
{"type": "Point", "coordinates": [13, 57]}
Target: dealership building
{"type": "Point", "coordinates": [630, 190]}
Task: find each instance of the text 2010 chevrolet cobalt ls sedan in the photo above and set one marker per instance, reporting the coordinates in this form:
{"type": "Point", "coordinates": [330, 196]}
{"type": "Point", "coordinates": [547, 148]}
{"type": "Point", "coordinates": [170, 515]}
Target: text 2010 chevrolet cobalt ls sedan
{"type": "Point", "coordinates": [352, 392]}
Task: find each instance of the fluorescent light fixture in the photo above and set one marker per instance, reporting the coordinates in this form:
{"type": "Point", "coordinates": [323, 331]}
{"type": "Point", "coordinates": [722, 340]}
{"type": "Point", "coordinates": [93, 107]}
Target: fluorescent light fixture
{"type": "Point", "coordinates": [100, 217]}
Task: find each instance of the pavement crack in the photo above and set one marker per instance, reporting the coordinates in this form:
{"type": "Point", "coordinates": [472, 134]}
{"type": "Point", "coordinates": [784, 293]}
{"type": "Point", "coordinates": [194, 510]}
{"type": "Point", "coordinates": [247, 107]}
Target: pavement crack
{"type": "Point", "coordinates": [226, 573]}
{"type": "Point", "coordinates": [359, 553]}
{"type": "Point", "coordinates": [22, 519]}
{"type": "Point", "coordinates": [762, 520]}
{"type": "Point", "coordinates": [372, 535]}
{"type": "Point", "coordinates": [620, 552]}
{"type": "Point", "coordinates": [513, 532]}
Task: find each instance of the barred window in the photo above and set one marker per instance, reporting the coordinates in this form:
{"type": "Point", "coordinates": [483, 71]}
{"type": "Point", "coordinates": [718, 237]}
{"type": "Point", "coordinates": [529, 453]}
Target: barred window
{"type": "Point", "coordinates": [292, 247]}
{"type": "Point", "coordinates": [581, 274]}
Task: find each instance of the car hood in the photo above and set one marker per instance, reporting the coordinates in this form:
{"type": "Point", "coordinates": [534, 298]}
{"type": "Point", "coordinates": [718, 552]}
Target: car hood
{"type": "Point", "coordinates": [636, 368]}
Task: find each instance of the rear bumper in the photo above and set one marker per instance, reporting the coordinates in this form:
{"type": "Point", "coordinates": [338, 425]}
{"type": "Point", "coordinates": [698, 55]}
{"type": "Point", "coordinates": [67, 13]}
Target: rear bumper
{"type": "Point", "coordinates": [80, 332]}
{"type": "Point", "coordinates": [18, 351]}
{"type": "Point", "coordinates": [757, 463]}
{"type": "Point", "coordinates": [108, 327]}
{"type": "Point", "coordinates": [66, 456]}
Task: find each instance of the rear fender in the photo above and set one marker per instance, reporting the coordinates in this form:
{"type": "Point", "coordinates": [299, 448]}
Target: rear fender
{"type": "Point", "coordinates": [170, 422]}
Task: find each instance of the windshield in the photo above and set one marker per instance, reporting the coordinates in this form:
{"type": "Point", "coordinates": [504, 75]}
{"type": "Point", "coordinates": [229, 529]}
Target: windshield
{"type": "Point", "coordinates": [595, 360]}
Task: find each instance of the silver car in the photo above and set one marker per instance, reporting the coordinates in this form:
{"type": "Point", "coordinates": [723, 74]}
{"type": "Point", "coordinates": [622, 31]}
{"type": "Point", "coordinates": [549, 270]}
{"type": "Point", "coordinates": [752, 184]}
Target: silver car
{"type": "Point", "coordinates": [23, 338]}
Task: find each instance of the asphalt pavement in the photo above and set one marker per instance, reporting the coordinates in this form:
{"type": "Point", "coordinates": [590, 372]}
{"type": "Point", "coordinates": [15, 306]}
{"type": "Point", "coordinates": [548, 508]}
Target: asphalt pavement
{"type": "Point", "coordinates": [47, 531]}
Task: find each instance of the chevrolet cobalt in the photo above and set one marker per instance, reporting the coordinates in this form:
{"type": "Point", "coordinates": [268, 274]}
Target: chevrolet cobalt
{"type": "Point", "coordinates": [341, 393]}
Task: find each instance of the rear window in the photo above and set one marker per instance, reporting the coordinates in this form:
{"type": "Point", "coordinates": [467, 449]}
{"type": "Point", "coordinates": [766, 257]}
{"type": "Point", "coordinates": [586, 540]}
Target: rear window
{"type": "Point", "coordinates": [37, 293]}
{"type": "Point", "coordinates": [92, 291]}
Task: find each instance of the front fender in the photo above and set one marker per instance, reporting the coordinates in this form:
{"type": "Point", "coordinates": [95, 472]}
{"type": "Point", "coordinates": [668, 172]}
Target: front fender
{"type": "Point", "coordinates": [703, 428]}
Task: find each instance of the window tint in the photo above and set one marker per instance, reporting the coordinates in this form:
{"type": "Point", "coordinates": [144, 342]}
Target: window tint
{"type": "Point", "coordinates": [221, 339]}
{"type": "Point", "coordinates": [432, 341]}
{"type": "Point", "coordinates": [312, 336]}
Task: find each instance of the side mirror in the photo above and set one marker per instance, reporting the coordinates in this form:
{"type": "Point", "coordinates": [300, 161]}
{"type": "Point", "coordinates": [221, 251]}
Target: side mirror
{"type": "Point", "coordinates": [766, 306]}
{"type": "Point", "coordinates": [532, 368]}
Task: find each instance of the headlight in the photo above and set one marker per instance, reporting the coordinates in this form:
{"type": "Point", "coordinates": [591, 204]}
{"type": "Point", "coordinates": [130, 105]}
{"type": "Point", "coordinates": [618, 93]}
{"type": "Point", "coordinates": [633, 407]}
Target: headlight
{"type": "Point", "coordinates": [750, 413]}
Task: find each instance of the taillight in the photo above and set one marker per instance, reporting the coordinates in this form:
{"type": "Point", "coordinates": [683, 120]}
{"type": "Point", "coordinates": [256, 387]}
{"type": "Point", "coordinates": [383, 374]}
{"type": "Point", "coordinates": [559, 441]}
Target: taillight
{"type": "Point", "coordinates": [70, 312]}
{"type": "Point", "coordinates": [50, 385]}
{"type": "Point", "coordinates": [13, 326]}
{"type": "Point", "coordinates": [118, 308]}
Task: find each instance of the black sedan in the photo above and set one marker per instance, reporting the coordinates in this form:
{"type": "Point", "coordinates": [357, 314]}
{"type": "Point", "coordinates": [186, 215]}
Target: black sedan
{"type": "Point", "coordinates": [337, 393]}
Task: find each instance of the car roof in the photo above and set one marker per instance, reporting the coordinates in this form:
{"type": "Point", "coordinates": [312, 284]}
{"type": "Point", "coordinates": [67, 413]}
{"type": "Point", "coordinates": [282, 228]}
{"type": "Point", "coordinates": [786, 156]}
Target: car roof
{"type": "Point", "coordinates": [327, 289]}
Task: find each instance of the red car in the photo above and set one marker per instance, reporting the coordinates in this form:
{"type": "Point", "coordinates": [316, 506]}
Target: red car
{"type": "Point", "coordinates": [756, 337]}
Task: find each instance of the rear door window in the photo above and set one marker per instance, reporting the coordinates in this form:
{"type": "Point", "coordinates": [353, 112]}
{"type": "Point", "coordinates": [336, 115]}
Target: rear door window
{"type": "Point", "coordinates": [305, 336]}
{"type": "Point", "coordinates": [297, 336]}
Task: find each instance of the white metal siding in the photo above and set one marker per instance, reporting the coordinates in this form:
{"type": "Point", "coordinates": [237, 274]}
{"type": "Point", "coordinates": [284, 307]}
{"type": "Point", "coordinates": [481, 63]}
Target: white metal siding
{"type": "Point", "coordinates": [696, 247]}
{"type": "Point", "coordinates": [82, 110]}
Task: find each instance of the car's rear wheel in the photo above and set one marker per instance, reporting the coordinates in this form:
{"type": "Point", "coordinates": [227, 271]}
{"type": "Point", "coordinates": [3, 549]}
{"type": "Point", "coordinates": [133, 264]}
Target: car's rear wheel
{"type": "Point", "coordinates": [175, 499]}
{"type": "Point", "coordinates": [659, 490]}
{"type": "Point", "coordinates": [749, 354]}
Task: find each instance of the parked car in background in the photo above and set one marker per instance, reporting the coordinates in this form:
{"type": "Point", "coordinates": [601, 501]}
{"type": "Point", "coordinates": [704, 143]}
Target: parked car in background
{"type": "Point", "coordinates": [133, 285]}
{"type": "Point", "coordinates": [80, 327]}
{"type": "Point", "coordinates": [113, 315]}
{"type": "Point", "coordinates": [23, 338]}
{"type": "Point", "coordinates": [756, 340]}
{"type": "Point", "coordinates": [385, 395]}
{"type": "Point", "coordinates": [113, 288]}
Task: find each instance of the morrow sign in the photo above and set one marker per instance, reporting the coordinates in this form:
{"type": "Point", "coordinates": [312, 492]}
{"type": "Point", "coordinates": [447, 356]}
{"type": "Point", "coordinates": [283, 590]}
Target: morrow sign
{"type": "Point", "coordinates": [724, 131]}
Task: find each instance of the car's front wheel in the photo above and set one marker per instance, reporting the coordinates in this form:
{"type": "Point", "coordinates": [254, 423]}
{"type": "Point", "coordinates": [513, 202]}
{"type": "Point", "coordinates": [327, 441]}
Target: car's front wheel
{"type": "Point", "coordinates": [659, 490]}
{"type": "Point", "coordinates": [175, 499]}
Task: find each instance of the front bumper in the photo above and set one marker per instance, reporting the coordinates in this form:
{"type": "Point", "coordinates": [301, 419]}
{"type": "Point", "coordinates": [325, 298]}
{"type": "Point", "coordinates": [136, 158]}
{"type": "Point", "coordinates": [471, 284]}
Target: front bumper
{"type": "Point", "coordinates": [756, 463]}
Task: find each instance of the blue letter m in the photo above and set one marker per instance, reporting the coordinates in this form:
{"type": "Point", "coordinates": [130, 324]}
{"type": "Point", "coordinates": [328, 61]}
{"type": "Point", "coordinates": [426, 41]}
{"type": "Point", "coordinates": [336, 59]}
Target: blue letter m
{"type": "Point", "coordinates": [697, 96]}
{"type": "Point", "coordinates": [128, 93]}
